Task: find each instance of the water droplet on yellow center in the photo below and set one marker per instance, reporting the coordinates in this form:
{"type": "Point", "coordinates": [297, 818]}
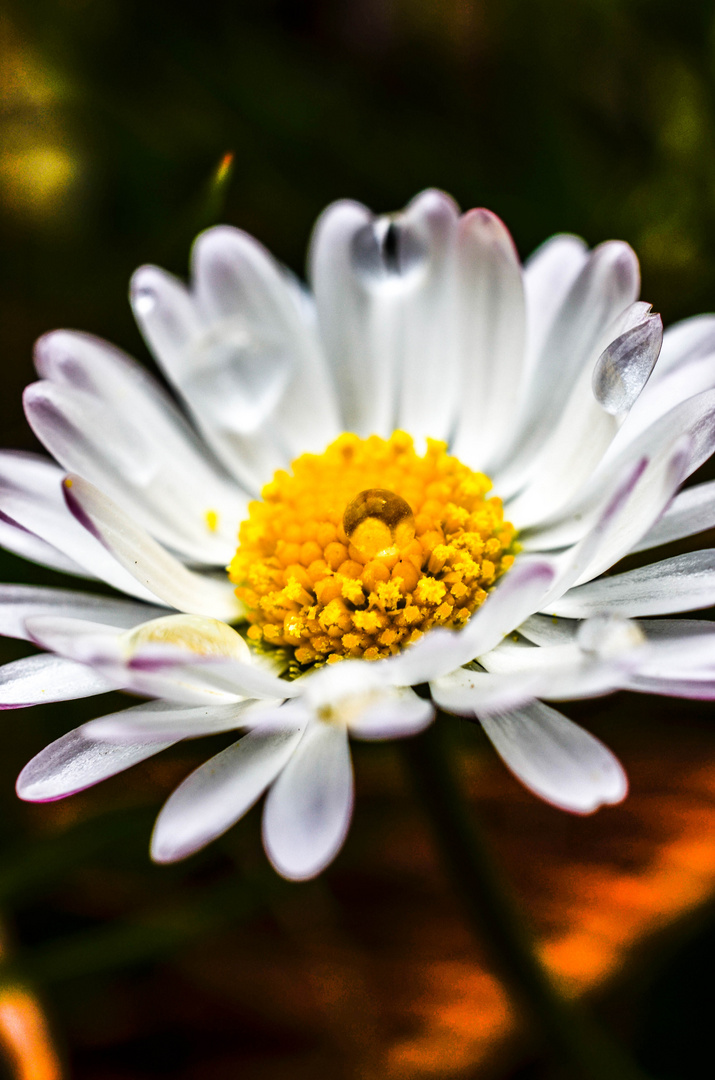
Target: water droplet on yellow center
{"type": "Point", "coordinates": [330, 573]}
{"type": "Point", "coordinates": [379, 523]}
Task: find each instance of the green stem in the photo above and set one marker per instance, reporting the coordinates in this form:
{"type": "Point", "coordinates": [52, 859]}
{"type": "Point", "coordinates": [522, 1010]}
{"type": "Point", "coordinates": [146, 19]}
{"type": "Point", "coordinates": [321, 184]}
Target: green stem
{"type": "Point", "coordinates": [496, 919]}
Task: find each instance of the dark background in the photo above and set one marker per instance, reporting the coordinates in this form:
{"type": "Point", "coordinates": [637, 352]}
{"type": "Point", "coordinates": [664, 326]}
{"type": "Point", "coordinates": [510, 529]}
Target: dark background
{"type": "Point", "coordinates": [596, 117]}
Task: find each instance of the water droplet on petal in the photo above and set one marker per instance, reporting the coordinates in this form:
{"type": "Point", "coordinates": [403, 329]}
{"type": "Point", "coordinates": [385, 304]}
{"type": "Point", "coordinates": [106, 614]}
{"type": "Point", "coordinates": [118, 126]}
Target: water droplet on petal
{"type": "Point", "coordinates": [144, 301]}
{"type": "Point", "coordinates": [624, 367]}
{"type": "Point", "coordinates": [243, 375]}
{"type": "Point", "coordinates": [387, 253]}
{"type": "Point", "coordinates": [609, 635]}
{"type": "Point", "coordinates": [194, 633]}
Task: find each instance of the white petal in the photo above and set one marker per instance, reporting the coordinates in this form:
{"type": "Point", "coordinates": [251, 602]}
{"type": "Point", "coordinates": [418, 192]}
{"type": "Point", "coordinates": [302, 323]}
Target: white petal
{"type": "Point", "coordinates": [686, 653]}
{"type": "Point", "coordinates": [573, 562]}
{"type": "Point", "coordinates": [691, 512]}
{"type": "Point", "coordinates": [426, 331]}
{"type": "Point", "coordinates": [157, 670]}
{"type": "Point", "coordinates": [21, 602]}
{"type": "Point", "coordinates": [549, 273]}
{"type": "Point", "coordinates": [167, 316]}
{"type": "Point", "coordinates": [308, 809]}
{"type": "Point", "coordinates": [37, 679]}
{"type": "Point", "coordinates": [548, 630]}
{"type": "Point", "coordinates": [19, 541]}
{"type": "Point", "coordinates": [466, 691]}
{"type": "Point", "coordinates": [100, 415]}
{"type": "Point", "coordinates": [604, 634]}
{"type": "Point", "coordinates": [76, 639]}
{"type": "Point", "coordinates": [164, 719]}
{"type": "Point", "coordinates": [685, 342]}
{"type": "Point", "coordinates": [607, 285]}
{"type": "Point", "coordinates": [591, 417]}
{"type": "Point", "coordinates": [694, 418]}
{"type": "Point", "coordinates": [517, 595]}
{"type": "Point", "coordinates": [364, 697]}
{"type": "Point", "coordinates": [385, 296]}
{"type": "Point", "coordinates": [73, 763]}
{"type": "Point", "coordinates": [673, 686]}
{"type": "Point", "coordinates": [31, 495]}
{"type": "Point", "coordinates": [492, 336]}
{"type": "Point", "coordinates": [645, 504]}
{"type": "Point", "coordinates": [515, 657]}
{"type": "Point", "coordinates": [517, 673]}
{"type": "Point", "coordinates": [158, 571]}
{"type": "Point", "coordinates": [566, 671]}
{"type": "Point", "coordinates": [203, 361]}
{"type": "Point", "coordinates": [241, 290]}
{"type": "Point", "coordinates": [673, 629]}
{"type": "Point", "coordinates": [684, 583]}
{"type": "Point", "coordinates": [556, 758]}
{"type": "Point", "coordinates": [660, 397]}
{"type": "Point", "coordinates": [392, 714]}
{"type": "Point", "coordinates": [352, 292]}
{"type": "Point", "coordinates": [476, 693]}
{"type": "Point", "coordinates": [217, 794]}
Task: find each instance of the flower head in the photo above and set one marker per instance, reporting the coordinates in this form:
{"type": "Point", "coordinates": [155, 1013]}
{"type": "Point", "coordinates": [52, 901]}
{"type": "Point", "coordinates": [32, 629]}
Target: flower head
{"type": "Point", "coordinates": [417, 473]}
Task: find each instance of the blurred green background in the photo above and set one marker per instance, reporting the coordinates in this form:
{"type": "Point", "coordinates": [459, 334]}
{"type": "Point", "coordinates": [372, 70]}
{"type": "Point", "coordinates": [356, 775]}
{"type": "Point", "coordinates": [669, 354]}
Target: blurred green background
{"type": "Point", "coordinates": [591, 116]}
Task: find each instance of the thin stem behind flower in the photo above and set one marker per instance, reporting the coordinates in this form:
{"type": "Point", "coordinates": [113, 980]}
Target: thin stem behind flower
{"type": "Point", "coordinates": [495, 918]}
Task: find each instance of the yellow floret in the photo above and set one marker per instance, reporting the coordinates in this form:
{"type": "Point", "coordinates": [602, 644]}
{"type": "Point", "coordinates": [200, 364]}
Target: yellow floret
{"type": "Point", "coordinates": [369, 621]}
{"type": "Point", "coordinates": [429, 591]}
{"type": "Point", "coordinates": [352, 590]}
{"type": "Point", "coordinates": [389, 594]}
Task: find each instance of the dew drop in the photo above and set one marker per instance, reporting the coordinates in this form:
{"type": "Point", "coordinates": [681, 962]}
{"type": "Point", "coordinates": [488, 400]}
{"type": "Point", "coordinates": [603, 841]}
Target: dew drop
{"type": "Point", "coordinates": [242, 374]}
{"type": "Point", "coordinates": [624, 367]}
{"type": "Point", "coordinates": [379, 523]}
{"type": "Point", "coordinates": [144, 301]}
{"type": "Point", "coordinates": [388, 253]}
{"type": "Point", "coordinates": [193, 633]}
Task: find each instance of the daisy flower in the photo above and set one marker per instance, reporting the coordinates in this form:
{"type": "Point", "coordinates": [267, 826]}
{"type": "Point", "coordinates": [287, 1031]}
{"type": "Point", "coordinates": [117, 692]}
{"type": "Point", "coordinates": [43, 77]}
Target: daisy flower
{"type": "Point", "coordinates": [415, 474]}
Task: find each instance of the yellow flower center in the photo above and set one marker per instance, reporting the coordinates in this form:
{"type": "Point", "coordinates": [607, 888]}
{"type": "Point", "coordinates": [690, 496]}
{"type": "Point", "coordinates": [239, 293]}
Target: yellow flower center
{"type": "Point", "coordinates": [359, 550]}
